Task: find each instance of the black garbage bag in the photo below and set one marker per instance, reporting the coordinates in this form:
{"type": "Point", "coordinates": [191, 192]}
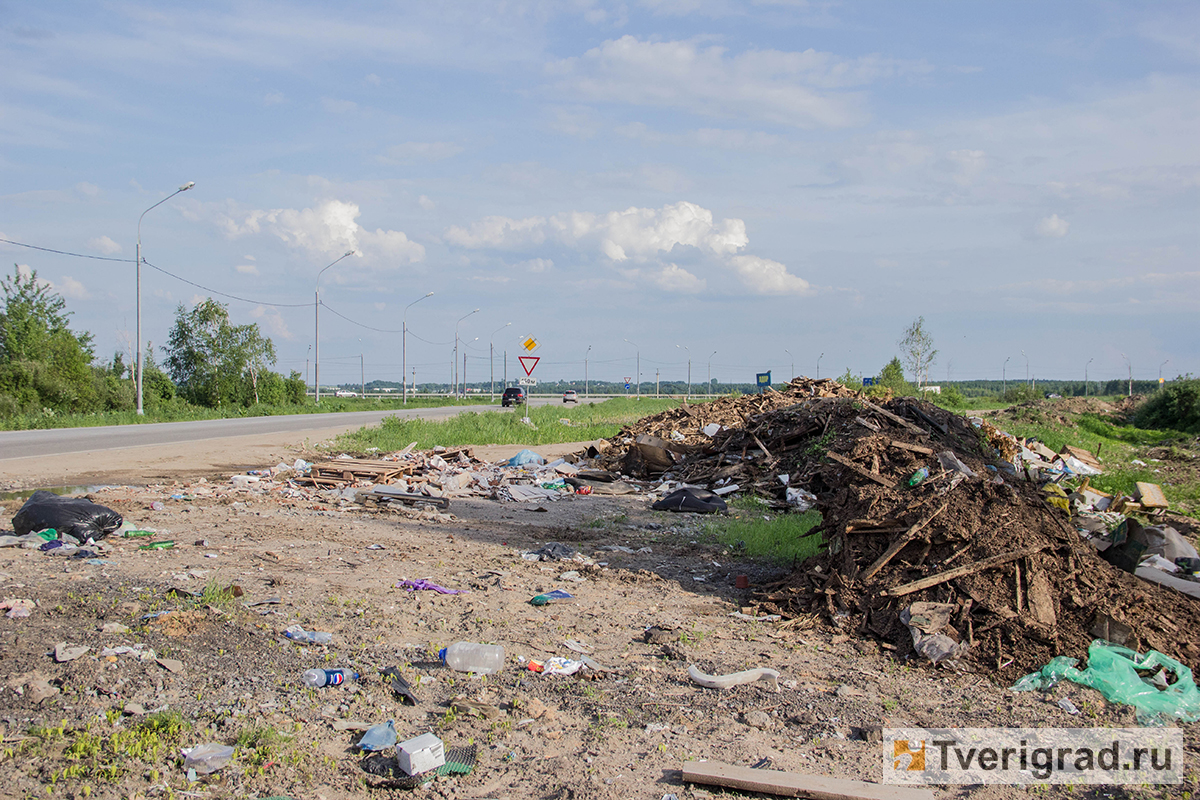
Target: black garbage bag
{"type": "Point", "coordinates": [75, 516]}
{"type": "Point", "coordinates": [701, 501]}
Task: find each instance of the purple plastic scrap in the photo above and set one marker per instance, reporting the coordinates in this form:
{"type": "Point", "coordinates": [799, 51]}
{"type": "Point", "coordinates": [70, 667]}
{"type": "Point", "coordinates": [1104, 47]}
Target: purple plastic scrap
{"type": "Point", "coordinates": [421, 585]}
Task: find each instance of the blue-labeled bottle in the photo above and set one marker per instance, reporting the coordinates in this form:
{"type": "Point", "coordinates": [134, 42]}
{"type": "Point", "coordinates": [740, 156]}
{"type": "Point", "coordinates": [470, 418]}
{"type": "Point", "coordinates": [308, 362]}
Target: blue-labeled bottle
{"type": "Point", "coordinates": [918, 476]}
{"type": "Point", "coordinates": [316, 678]}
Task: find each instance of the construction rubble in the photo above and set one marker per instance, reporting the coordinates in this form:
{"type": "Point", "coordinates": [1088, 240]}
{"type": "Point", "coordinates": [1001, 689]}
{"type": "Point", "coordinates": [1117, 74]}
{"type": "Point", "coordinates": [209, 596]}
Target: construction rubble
{"type": "Point", "coordinates": [989, 563]}
{"type": "Point", "coordinates": [946, 537]}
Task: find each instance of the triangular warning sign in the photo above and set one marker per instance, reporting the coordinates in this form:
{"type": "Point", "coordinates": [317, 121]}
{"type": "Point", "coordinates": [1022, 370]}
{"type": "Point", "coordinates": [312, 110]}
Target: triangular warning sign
{"type": "Point", "coordinates": [529, 362]}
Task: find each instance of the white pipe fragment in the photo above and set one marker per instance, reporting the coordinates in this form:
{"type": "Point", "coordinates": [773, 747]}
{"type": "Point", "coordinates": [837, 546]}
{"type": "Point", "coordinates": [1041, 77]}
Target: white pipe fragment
{"type": "Point", "coordinates": [734, 679]}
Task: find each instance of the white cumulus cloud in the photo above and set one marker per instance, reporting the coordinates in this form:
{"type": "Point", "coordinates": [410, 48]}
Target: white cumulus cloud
{"type": "Point", "coordinates": [1052, 227]}
{"type": "Point", "coordinates": [103, 244]}
{"type": "Point", "coordinates": [71, 289]}
{"type": "Point", "coordinates": [619, 235]}
{"type": "Point", "coordinates": [799, 88]}
{"type": "Point", "coordinates": [765, 276]}
{"type": "Point", "coordinates": [247, 269]}
{"type": "Point", "coordinates": [328, 230]}
{"type": "Point", "coordinates": [674, 278]}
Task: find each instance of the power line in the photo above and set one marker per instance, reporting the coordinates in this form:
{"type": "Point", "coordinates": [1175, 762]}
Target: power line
{"type": "Point", "coordinates": [337, 313]}
{"type": "Point", "coordinates": [225, 294]}
{"type": "Point", "coordinates": [66, 253]}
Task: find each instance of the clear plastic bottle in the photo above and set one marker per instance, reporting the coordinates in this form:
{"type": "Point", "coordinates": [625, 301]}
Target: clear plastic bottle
{"type": "Point", "coordinates": [301, 636]}
{"type": "Point", "coordinates": [483, 659]}
{"type": "Point", "coordinates": [316, 678]}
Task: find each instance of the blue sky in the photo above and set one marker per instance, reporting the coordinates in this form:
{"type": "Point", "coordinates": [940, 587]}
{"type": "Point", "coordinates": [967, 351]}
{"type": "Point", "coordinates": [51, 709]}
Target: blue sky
{"type": "Point", "coordinates": [774, 181]}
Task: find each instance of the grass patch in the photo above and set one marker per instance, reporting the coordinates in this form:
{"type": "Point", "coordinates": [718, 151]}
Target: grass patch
{"type": "Point", "coordinates": [184, 412]}
{"type": "Point", "coordinates": [585, 422]}
{"type": "Point", "coordinates": [752, 530]}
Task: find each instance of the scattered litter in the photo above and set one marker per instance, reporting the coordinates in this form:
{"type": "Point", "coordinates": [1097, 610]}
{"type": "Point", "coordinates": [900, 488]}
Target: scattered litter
{"type": "Point", "coordinates": [556, 666]}
{"type": "Point", "coordinates": [1066, 705]}
{"type": "Point", "coordinates": [421, 754]}
{"type": "Point", "coordinates": [525, 457]}
{"type": "Point", "coordinates": [73, 516]}
{"type": "Point", "coordinates": [1159, 687]}
{"type": "Point", "coordinates": [700, 501]}
{"type": "Point", "coordinates": [734, 679]}
{"type": "Point", "coordinates": [207, 758]}
{"type": "Point", "coordinates": [399, 685]}
{"type": "Point", "coordinates": [555, 596]}
{"type": "Point", "coordinates": [551, 551]}
{"type": "Point", "coordinates": [926, 622]}
{"type": "Point", "coordinates": [379, 737]}
{"type": "Point", "coordinates": [424, 585]}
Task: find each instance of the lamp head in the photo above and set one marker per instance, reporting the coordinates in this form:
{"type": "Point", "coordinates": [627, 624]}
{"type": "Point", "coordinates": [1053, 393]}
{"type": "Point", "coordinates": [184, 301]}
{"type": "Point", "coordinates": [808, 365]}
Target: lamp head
{"type": "Point", "coordinates": [187, 186]}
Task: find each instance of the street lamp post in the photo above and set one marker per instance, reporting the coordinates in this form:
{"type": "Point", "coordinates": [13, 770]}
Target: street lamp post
{"type": "Point", "coordinates": [708, 391]}
{"type": "Point", "coordinates": [689, 352]}
{"type": "Point", "coordinates": [404, 347]}
{"type": "Point", "coordinates": [492, 357]}
{"type": "Point", "coordinates": [317, 329]}
{"type": "Point", "coordinates": [638, 375]}
{"type": "Point", "coordinates": [1026, 367]}
{"type": "Point", "coordinates": [362, 371]}
{"type": "Point", "coordinates": [138, 258]}
{"type": "Point", "coordinates": [819, 365]}
{"type": "Point", "coordinates": [1004, 379]}
{"type": "Point", "coordinates": [1129, 364]}
{"type": "Point", "coordinates": [793, 362]}
{"type": "Point", "coordinates": [585, 372]}
{"type": "Point", "coordinates": [476, 311]}
{"type": "Point", "coordinates": [1085, 376]}
{"type": "Point", "coordinates": [1160, 366]}
{"type": "Point", "coordinates": [306, 358]}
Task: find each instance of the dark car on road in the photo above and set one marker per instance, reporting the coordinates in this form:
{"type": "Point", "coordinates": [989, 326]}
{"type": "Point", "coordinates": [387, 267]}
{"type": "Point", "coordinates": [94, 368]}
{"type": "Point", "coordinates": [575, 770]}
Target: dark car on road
{"type": "Point", "coordinates": [513, 396]}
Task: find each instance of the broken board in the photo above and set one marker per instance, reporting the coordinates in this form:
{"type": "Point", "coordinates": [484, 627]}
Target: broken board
{"type": "Point", "coordinates": [793, 784]}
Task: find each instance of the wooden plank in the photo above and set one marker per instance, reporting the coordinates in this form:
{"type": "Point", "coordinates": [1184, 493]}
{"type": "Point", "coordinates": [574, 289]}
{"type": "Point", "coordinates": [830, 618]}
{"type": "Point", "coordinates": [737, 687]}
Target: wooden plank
{"type": "Point", "coordinates": [958, 572]}
{"type": "Point", "coordinates": [794, 784]}
{"type": "Point", "coordinates": [1083, 455]}
{"type": "Point", "coordinates": [900, 543]}
{"type": "Point", "coordinates": [914, 448]}
{"type": "Point", "coordinates": [1150, 495]}
{"type": "Point", "coordinates": [888, 482]}
{"type": "Point", "coordinates": [898, 420]}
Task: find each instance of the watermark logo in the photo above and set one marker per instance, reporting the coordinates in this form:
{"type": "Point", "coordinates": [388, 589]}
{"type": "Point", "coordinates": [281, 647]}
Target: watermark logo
{"type": "Point", "coordinates": [909, 756]}
{"type": "Point", "coordinates": [1032, 755]}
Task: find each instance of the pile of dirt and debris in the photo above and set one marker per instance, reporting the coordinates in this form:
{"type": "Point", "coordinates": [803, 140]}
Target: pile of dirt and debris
{"type": "Point", "coordinates": [937, 541]}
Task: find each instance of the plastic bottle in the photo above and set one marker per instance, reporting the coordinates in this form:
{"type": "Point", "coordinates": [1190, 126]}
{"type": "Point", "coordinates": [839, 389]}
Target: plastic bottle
{"type": "Point", "coordinates": [302, 636]}
{"type": "Point", "coordinates": [483, 659]}
{"type": "Point", "coordinates": [379, 737]}
{"type": "Point", "coordinates": [316, 678]}
{"type": "Point", "coordinates": [918, 476]}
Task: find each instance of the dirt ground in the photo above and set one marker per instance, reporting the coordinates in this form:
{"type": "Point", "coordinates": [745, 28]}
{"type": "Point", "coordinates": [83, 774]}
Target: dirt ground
{"type": "Point", "coordinates": [223, 665]}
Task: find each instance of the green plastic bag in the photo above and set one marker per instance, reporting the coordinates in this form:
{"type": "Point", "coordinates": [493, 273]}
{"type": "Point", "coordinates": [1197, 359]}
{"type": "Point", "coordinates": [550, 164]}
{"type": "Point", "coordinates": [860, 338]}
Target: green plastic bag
{"type": "Point", "coordinates": [1158, 686]}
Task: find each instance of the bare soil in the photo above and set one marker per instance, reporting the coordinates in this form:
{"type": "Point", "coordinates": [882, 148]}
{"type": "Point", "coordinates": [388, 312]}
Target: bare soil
{"type": "Point", "coordinates": [621, 733]}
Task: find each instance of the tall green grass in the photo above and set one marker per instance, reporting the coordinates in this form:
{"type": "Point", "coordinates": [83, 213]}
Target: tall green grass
{"type": "Point", "coordinates": [584, 422]}
{"type": "Point", "coordinates": [183, 412]}
{"type": "Point", "coordinates": [751, 529]}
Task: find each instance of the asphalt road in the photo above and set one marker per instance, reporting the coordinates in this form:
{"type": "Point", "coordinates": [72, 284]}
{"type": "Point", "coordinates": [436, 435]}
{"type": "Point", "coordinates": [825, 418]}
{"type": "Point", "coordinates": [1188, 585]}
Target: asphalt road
{"type": "Point", "coordinates": [63, 441]}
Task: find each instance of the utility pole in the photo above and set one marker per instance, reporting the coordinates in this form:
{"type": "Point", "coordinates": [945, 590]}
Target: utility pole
{"type": "Point", "coordinates": [1004, 379]}
{"type": "Point", "coordinates": [1130, 365]}
{"type": "Point", "coordinates": [585, 372]}
{"type": "Point", "coordinates": [656, 383]}
{"type": "Point", "coordinates": [1085, 376]}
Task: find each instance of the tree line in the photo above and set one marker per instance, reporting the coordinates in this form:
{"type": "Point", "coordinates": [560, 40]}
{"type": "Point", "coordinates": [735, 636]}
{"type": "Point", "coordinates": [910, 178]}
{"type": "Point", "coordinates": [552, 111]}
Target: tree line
{"type": "Point", "coordinates": [45, 367]}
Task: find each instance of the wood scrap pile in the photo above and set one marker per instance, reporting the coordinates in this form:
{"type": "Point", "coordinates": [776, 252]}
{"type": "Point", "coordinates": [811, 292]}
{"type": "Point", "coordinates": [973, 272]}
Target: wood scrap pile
{"type": "Point", "coordinates": [1021, 585]}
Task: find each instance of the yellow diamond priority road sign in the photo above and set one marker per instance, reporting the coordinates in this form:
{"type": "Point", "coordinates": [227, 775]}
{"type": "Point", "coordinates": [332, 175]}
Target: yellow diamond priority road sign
{"type": "Point", "coordinates": [530, 344]}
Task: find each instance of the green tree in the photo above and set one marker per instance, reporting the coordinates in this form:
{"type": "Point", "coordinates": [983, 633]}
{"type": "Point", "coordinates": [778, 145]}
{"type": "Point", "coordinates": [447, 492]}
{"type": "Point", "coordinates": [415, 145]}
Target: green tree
{"type": "Point", "coordinates": [892, 377]}
{"type": "Point", "coordinates": [214, 362]}
{"type": "Point", "coordinates": [43, 364]}
{"type": "Point", "coordinates": [917, 349]}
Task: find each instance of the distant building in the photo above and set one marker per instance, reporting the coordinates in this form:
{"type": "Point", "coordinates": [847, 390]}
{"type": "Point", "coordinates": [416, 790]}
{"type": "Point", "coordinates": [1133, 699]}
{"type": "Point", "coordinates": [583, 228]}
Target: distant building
{"type": "Point", "coordinates": [932, 389]}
